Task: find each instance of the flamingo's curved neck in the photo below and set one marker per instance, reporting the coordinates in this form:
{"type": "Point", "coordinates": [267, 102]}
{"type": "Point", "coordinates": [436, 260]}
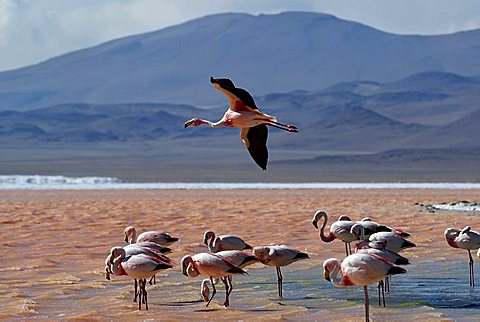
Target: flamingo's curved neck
{"type": "Point", "coordinates": [133, 237]}
{"type": "Point", "coordinates": [324, 238]}
{"type": "Point", "coordinates": [335, 277]}
{"type": "Point", "coordinates": [211, 244]}
{"type": "Point", "coordinates": [117, 269]}
{"type": "Point", "coordinates": [212, 124]}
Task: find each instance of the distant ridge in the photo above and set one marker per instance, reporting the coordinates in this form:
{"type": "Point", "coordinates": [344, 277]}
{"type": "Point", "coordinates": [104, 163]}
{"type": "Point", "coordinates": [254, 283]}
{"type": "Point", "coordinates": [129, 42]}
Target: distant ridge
{"type": "Point", "coordinates": [264, 53]}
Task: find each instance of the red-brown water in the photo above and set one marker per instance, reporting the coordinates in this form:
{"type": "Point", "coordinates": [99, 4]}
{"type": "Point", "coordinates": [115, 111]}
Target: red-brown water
{"type": "Point", "coordinates": [54, 244]}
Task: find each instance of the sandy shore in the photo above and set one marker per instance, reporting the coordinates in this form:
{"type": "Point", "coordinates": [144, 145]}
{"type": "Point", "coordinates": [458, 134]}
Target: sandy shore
{"type": "Point", "coordinates": [54, 244]}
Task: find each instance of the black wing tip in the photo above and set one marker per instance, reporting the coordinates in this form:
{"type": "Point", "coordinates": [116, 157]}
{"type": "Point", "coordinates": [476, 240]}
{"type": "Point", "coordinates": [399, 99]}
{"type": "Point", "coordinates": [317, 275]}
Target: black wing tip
{"type": "Point", "coordinates": [247, 246]}
{"type": "Point", "coordinates": [394, 270]}
{"type": "Point", "coordinates": [402, 261]}
{"type": "Point", "coordinates": [237, 270]}
{"type": "Point", "coordinates": [301, 256]}
{"type": "Point", "coordinates": [163, 266]}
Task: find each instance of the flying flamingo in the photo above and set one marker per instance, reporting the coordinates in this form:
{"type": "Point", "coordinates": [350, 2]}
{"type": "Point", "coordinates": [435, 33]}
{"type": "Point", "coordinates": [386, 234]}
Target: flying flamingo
{"type": "Point", "coordinates": [244, 114]}
{"type": "Point", "coordinates": [158, 237]}
{"type": "Point", "coordinates": [359, 269]}
{"type": "Point", "coordinates": [238, 258]}
{"type": "Point", "coordinates": [211, 266]}
{"type": "Point", "coordinates": [223, 242]}
{"type": "Point", "coordinates": [278, 255]}
{"type": "Point", "coordinates": [138, 267]}
{"type": "Point", "coordinates": [465, 239]}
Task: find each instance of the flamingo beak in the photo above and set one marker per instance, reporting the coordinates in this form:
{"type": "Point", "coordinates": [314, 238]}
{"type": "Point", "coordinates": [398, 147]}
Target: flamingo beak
{"type": "Point", "coordinates": [326, 275]}
{"type": "Point", "coordinates": [107, 272]}
{"type": "Point", "coordinates": [314, 223]}
{"type": "Point", "coordinates": [212, 80]}
{"type": "Point", "coordinates": [126, 238]}
{"type": "Point", "coordinates": [188, 123]}
{"type": "Point", "coordinates": [184, 270]}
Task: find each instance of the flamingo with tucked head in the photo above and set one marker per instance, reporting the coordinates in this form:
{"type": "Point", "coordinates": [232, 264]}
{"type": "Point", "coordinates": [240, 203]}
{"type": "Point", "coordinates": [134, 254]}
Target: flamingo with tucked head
{"type": "Point", "coordinates": [359, 269]}
{"type": "Point", "coordinates": [243, 113]}
{"type": "Point", "coordinates": [278, 256]}
{"type": "Point", "coordinates": [465, 239]}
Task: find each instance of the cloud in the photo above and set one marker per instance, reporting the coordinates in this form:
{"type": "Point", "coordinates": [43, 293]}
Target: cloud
{"type": "Point", "coordinates": [32, 31]}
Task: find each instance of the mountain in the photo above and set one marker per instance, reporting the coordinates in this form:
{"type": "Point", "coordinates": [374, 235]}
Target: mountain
{"type": "Point", "coordinates": [265, 54]}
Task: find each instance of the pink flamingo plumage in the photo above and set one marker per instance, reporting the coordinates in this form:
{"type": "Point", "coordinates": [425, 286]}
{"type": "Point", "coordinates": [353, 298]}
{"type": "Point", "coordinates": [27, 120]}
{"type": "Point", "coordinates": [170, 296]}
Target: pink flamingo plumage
{"type": "Point", "coordinates": [465, 239]}
{"type": "Point", "coordinates": [361, 270]}
{"type": "Point", "coordinates": [243, 113]}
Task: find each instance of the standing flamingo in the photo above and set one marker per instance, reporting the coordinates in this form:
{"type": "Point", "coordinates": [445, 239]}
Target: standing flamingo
{"type": "Point", "coordinates": [238, 258]}
{"type": "Point", "coordinates": [157, 237]}
{"type": "Point", "coordinates": [138, 267]}
{"type": "Point", "coordinates": [244, 114]}
{"type": "Point", "coordinates": [211, 266]}
{"type": "Point", "coordinates": [339, 229]}
{"type": "Point", "coordinates": [223, 242]}
{"type": "Point", "coordinates": [377, 248]}
{"type": "Point", "coordinates": [278, 255]}
{"type": "Point", "coordinates": [359, 269]}
{"type": "Point", "coordinates": [393, 241]}
{"type": "Point", "coordinates": [153, 236]}
{"type": "Point", "coordinates": [465, 239]}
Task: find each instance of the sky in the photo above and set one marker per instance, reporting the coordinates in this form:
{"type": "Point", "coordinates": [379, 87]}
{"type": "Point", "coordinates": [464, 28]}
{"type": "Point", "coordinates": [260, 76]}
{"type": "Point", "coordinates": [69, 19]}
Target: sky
{"type": "Point", "coordinates": [35, 30]}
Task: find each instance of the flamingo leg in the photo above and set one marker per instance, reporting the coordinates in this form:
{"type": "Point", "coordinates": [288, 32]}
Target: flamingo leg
{"type": "Point", "coordinates": [346, 249]}
{"type": "Point", "coordinates": [213, 293]}
{"type": "Point", "coordinates": [145, 293]}
{"type": "Point", "coordinates": [231, 285]}
{"type": "Point", "coordinates": [284, 125]}
{"type": "Point", "coordinates": [152, 279]}
{"type": "Point", "coordinates": [470, 263]}
{"type": "Point", "coordinates": [140, 295]}
{"type": "Point", "coordinates": [280, 282]}
{"type": "Point", "coordinates": [227, 291]}
{"type": "Point", "coordinates": [135, 285]}
{"type": "Point", "coordinates": [282, 128]}
{"type": "Point", "coordinates": [367, 304]}
{"type": "Point", "coordinates": [349, 249]}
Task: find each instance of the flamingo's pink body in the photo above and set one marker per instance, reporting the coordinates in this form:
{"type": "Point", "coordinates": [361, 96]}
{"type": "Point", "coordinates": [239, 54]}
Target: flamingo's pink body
{"type": "Point", "coordinates": [278, 255]}
{"type": "Point", "coordinates": [223, 242]}
{"type": "Point", "coordinates": [393, 241]}
{"type": "Point", "coordinates": [211, 266]}
{"type": "Point", "coordinates": [139, 266]}
{"type": "Point", "coordinates": [157, 237]}
{"type": "Point", "coordinates": [359, 269]}
{"type": "Point", "coordinates": [465, 239]}
{"type": "Point", "coordinates": [339, 229]}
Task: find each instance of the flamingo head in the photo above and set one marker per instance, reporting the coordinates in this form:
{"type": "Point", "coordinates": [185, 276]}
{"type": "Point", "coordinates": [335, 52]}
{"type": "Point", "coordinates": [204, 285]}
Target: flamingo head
{"type": "Point", "coordinates": [357, 231]}
{"type": "Point", "coordinates": [319, 214]}
{"type": "Point", "coordinates": [128, 233]}
{"type": "Point", "coordinates": [224, 83]}
{"type": "Point", "coordinates": [204, 290]}
{"type": "Point", "coordinates": [366, 219]}
{"type": "Point", "coordinates": [186, 261]}
{"type": "Point", "coordinates": [115, 252]}
{"type": "Point", "coordinates": [206, 237]}
{"type": "Point", "coordinates": [450, 235]}
{"type": "Point", "coordinates": [262, 252]}
{"type": "Point", "coordinates": [344, 217]}
{"type": "Point", "coordinates": [194, 122]}
{"type": "Point", "coordinates": [328, 267]}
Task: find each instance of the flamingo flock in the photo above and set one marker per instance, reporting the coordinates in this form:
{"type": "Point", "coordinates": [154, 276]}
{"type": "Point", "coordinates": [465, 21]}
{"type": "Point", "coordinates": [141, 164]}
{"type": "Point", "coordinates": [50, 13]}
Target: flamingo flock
{"type": "Point", "coordinates": [374, 257]}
